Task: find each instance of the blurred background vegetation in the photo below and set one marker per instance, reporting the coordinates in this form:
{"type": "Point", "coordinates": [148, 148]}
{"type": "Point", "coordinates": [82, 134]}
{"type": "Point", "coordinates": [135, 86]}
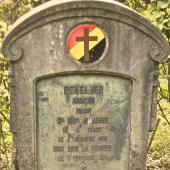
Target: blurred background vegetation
{"type": "Point", "coordinates": [158, 12]}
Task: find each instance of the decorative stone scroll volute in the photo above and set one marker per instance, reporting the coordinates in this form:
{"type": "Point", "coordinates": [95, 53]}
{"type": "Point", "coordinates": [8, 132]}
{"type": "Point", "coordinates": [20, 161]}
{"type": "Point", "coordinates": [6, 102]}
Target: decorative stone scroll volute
{"type": "Point", "coordinates": [118, 82]}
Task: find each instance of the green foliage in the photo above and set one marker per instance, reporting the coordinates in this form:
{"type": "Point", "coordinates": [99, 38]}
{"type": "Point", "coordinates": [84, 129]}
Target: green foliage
{"type": "Point", "coordinates": [159, 151]}
{"type": "Point", "coordinates": [5, 136]}
{"type": "Point", "coordinates": [159, 154]}
{"type": "Point", "coordinates": [158, 12]}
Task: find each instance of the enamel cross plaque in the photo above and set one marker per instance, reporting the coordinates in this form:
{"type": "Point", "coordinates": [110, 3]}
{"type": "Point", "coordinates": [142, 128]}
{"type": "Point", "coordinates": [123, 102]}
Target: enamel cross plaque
{"type": "Point", "coordinates": [86, 43]}
{"type": "Point", "coordinates": [83, 80]}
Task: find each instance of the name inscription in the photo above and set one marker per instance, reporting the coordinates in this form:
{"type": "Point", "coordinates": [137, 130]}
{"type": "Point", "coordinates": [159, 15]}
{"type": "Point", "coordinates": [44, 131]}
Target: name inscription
{"type": "Point", "coordinates": [83, 89]}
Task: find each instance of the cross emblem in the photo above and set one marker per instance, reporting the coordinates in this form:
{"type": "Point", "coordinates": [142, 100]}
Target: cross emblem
{"type": "Point", "coordinates": [86, 39]}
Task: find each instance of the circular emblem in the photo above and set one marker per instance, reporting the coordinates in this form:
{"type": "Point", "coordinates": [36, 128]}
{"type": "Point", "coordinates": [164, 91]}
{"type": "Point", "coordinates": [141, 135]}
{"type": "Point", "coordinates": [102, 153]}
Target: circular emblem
{"type": "Point", "coordinates": [86, 43]}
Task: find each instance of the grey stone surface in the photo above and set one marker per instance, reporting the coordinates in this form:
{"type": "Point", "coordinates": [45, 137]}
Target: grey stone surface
{"type": "Point", "coordinates": [38, 56]}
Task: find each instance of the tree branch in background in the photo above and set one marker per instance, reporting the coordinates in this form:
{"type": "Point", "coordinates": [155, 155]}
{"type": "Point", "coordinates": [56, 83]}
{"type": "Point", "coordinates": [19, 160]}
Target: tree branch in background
{"type": "Point", "coordinates": [5, 118]}
{"type": "Point", "coordinates": [163, 114]}
{"type": "Point", "coordinates": [163, 96]}
{"type": "Point", "coordinates": [153, 134]}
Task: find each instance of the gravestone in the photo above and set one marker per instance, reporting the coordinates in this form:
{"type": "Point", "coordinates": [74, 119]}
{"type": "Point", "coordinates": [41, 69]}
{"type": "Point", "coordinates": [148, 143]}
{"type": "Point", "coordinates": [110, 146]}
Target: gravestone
{"type": "Point", "coordinates": [83, 78]}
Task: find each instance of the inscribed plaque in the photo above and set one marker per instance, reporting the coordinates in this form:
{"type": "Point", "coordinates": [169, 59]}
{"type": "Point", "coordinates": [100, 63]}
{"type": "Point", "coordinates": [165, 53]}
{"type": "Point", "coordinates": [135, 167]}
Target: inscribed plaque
{"type": "Point", "coordinates": [83, 122]}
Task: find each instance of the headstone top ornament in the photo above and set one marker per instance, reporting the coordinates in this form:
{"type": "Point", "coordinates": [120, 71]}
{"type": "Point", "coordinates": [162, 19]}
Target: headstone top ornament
{"type": "Point", "coordinates": [42, 15]}
{"type": "Point", "coordinates": [86, 43]}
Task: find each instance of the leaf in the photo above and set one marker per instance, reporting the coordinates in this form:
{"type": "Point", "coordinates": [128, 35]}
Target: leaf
{"type": "Point", "coordinates": [168, 23]}
{"type": "Point", "coordinates": [6, 73]}
{"type": "Point", "coordinates": [165, 21]}
{"type": "Point", "coordinates": [163, 5]}
{"type": "Point", "coordinates": [168, 11]}
{"type": "Point", "coordinates": [156, 14]}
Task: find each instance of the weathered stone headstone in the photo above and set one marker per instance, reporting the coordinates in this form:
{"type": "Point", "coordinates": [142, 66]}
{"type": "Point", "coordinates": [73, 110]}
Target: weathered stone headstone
{"type": "Point", "coordinates": [83, 86]}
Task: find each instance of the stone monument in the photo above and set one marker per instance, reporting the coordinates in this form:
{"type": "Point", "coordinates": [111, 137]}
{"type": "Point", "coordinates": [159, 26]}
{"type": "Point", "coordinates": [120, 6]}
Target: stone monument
{"type": "Point", "coordinates": [83, 78]}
